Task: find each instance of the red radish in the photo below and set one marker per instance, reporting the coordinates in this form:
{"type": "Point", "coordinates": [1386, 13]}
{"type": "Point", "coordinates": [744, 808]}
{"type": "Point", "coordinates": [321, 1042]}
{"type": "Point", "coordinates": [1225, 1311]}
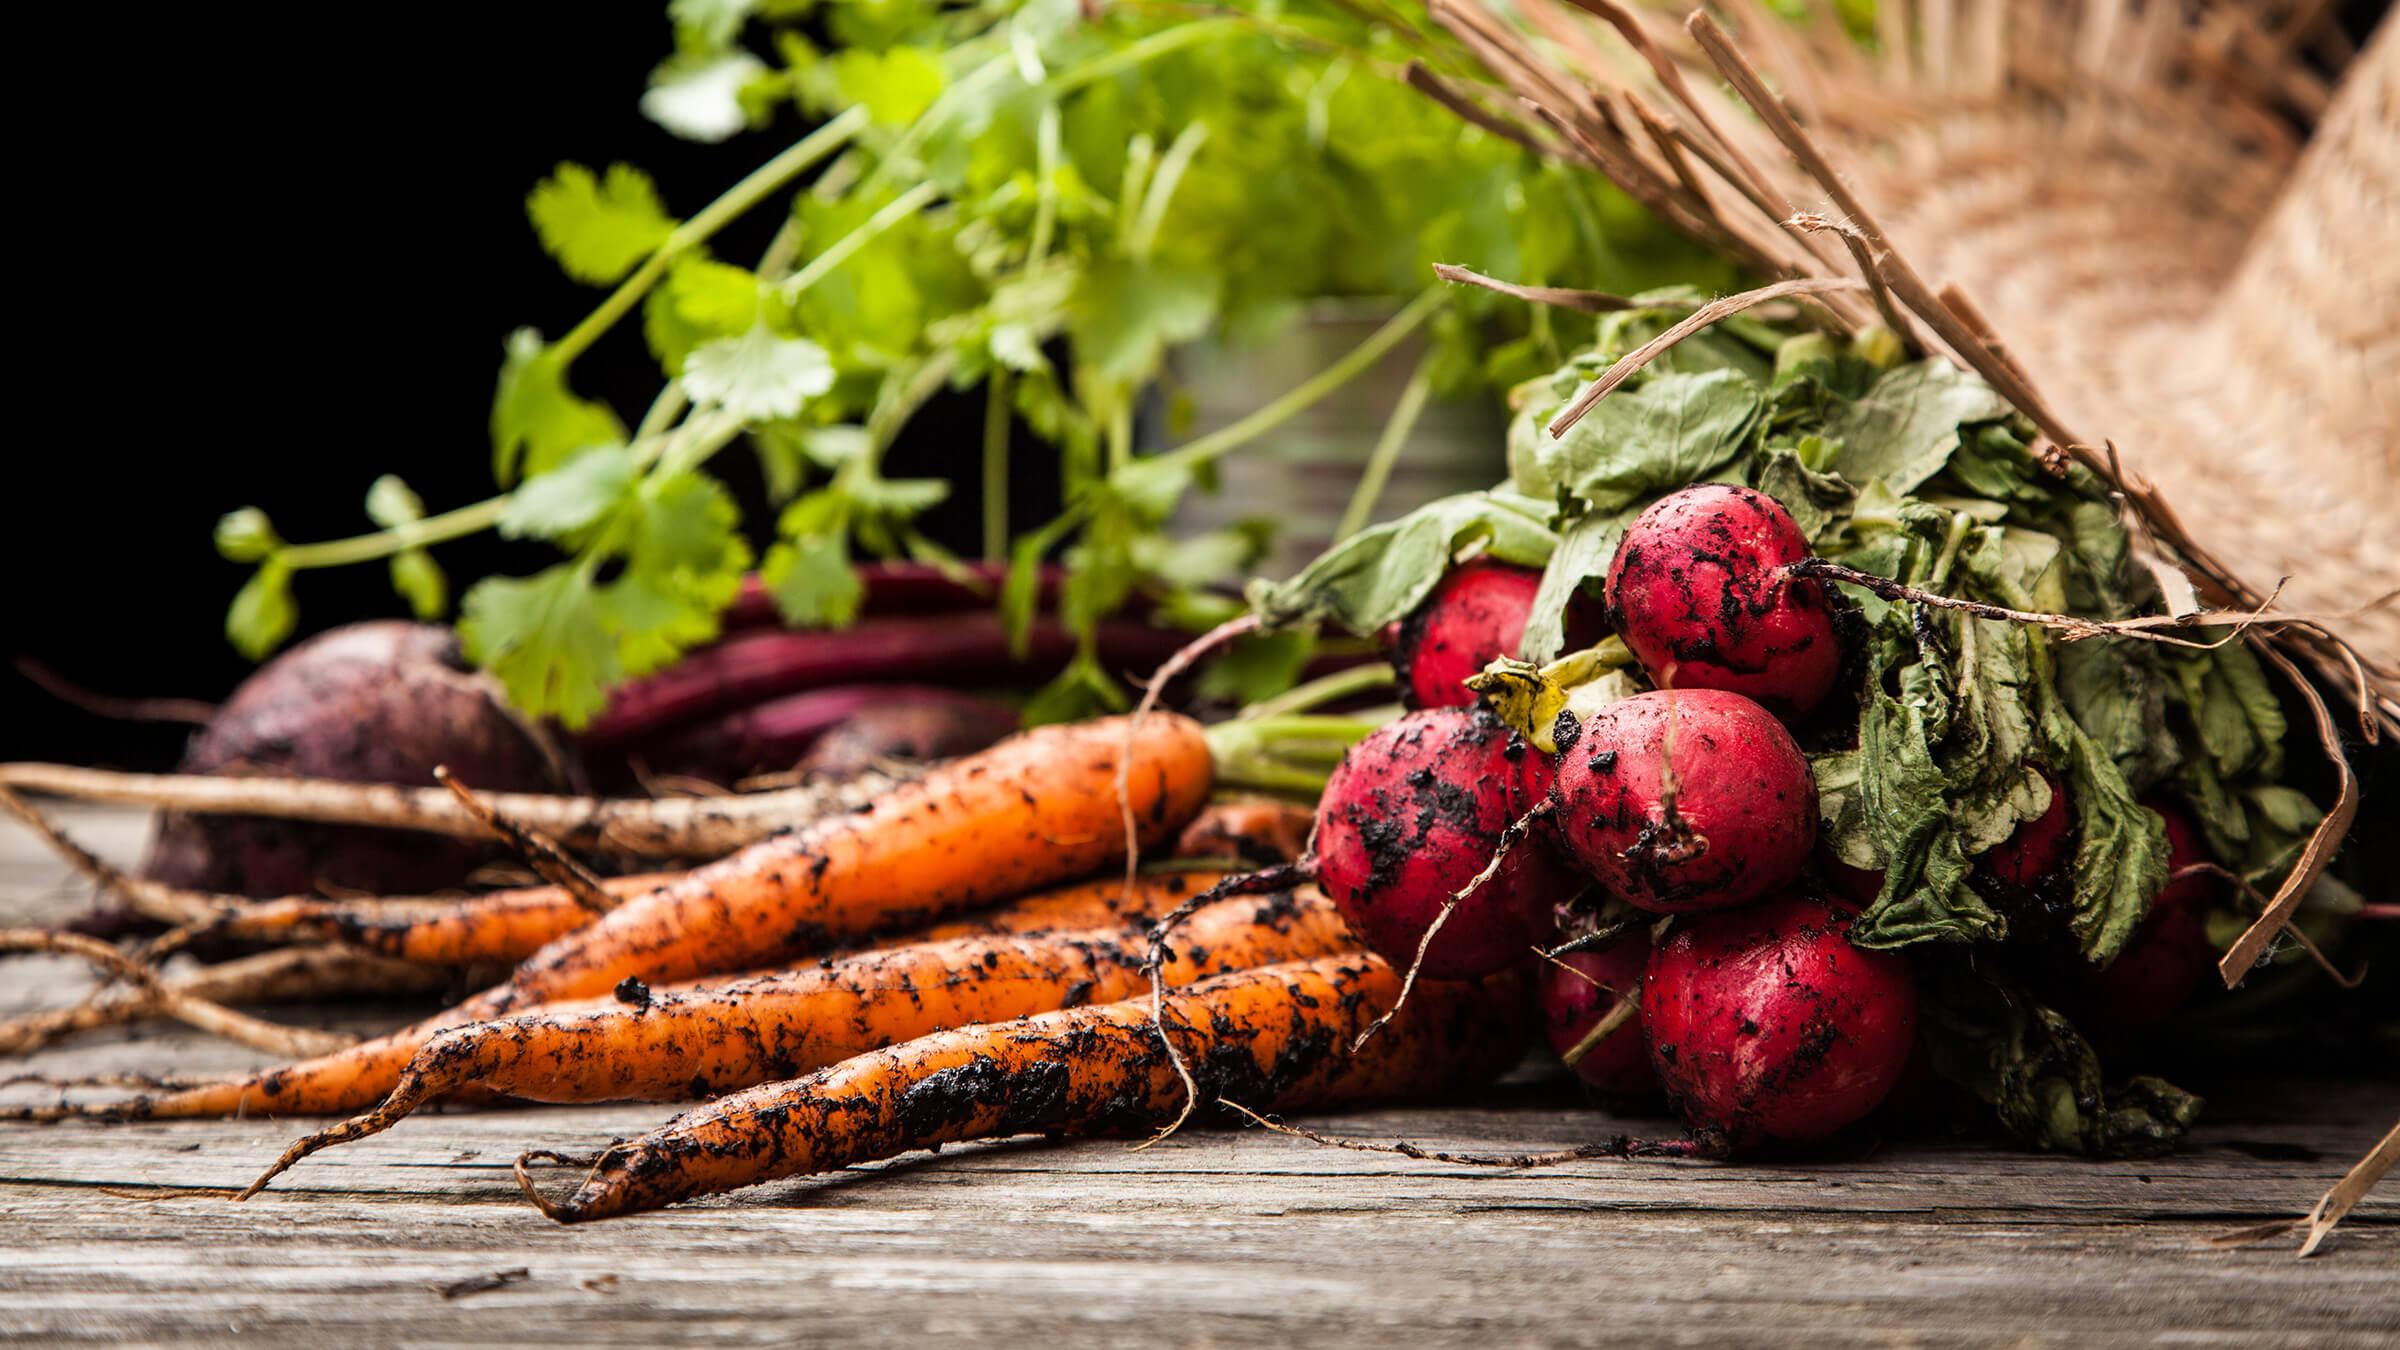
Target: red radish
{"type": "Point", "coordinates": [376, 702]}
{"type": "Point", "coordinates": [1766, 1023]}
{"type": "Point", "coordinates": [1580, 988]}
{"type": "Point", "coordinates": [2168, 954]}
{"type": "Point", "coordinates": [1696, 591]}
{"type": "Point", "coordinates": [1475, 614]}
{"type": "Point", "coordinates": [1854, 887]}
{"type": "Point", "coordinates": [1412, 814]}
{"type": "Point", "coordinates": [1738, 821]}
{"type": "Point", "coordinates": [2039, 846]}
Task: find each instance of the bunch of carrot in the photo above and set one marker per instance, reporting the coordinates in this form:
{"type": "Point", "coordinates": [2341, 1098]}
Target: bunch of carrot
{"type": "Point", "coordinates": [912, 1025]}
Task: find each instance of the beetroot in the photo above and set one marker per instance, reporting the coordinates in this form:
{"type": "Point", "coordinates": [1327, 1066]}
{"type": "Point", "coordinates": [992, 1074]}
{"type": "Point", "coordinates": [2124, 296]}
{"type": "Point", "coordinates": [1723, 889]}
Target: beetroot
{"type": "Point", "coordinates": [1696, 591]}
{"type": "Point", "coordinates": [1765, 1023]}
{"type": "Point", "coordinates": [1411, 815]}
{"type": "Point", "coordinates": [368, 703]}
{"type": "Point", "coordinates": [1744, 808]}
{"type": "Point", "coordinates": [2168, 954]}
{"type": "Point", "coordinates": [1578, 990]}
{"type": "Point", "coordinates": [1476, 613]}
{"type": "Point", "coordinates": [2039, 846]}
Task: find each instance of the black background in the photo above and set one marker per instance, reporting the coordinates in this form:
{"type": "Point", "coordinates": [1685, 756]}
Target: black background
{"type": "Point", "coordinates": [268, 253]}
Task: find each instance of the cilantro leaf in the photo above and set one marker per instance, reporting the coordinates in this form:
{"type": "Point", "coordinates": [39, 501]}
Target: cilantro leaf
{"type": "Point", "coordinates": [808, 570]}
{"type": "Point", "coordinates": [1127, 313]}
{"type": "Point", "coordinates": [537, 422]}
{"type": "Point", "coordinates": [710, 24]}
{"type": "Point", "coordinates": [700, 97]}
{"type": "Point", "coordinates": [568, 499]}
{"type": "Point", "coordinates": [390, 502]}
{"type": "Point", "coordinates": [544, 638]}
{"type": "Point", "coordinates": [420, 581]}
{"type": "Point", "coordinates": [897, 85]}
{"type": "Point", "coordinates": [263, 613]}
{"type": "Point", "coordinates": [598, 229]}
{"type": "Point", "coordinates": [759, 375]}
{"type": "Point", "coordinates": [684, 558]}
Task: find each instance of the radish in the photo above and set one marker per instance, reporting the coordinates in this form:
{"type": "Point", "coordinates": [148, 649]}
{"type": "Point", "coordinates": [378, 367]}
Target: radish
{"type": "Point", "coordinates": [1765, 1023]}
{"type": "Point", "coordinates": [376, 702]}
{"type": "Point", "coordinates": [2167, 955]}
{"type": "Point", "coordinates": [1577, 991]}
{"type": "Point", "coordinates": [2039, 847]}
{"type": "Point", "coordinates": [1685, 800]}
{"type": "Point", "coordinates": [1410, 817]}
{"type": "Point", "coordinates": [1476, 613]}
{"type": "Point", "coordinates": [1697, 591]}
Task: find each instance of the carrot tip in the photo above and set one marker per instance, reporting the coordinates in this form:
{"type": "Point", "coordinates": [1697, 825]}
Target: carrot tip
{"type": "Point", "coordinates": [561, 1212]}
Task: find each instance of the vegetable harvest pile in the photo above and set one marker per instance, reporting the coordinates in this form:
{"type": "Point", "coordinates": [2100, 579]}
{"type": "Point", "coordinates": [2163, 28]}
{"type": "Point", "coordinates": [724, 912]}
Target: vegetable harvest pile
{"type": "Point", "coordinates": [1793, 737]}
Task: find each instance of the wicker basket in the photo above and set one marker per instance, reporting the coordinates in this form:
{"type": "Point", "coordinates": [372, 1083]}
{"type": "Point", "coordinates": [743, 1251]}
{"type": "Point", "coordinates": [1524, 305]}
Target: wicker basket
{"type": "Point", "coordinates": [2113, 210]}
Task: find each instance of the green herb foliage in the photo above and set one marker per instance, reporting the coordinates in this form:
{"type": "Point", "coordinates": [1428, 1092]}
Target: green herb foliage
{"type": "Point", "coordinates": [1015, 194]}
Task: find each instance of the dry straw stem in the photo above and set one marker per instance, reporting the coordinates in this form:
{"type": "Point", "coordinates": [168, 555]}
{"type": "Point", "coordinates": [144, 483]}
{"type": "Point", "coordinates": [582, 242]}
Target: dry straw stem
{"type": "Point", "coordinates": [540, 853]}
{"type": "Point", "coordinates": [285, 975]}
{"type": "Point", "coordinates": [289, 1042]}
{"type": "Point", "coordinates": [683, 828]}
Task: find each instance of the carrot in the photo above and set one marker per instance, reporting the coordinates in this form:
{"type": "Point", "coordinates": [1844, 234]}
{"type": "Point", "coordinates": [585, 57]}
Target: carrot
{"type": "Point", "coordinates": [693, 1041]}
{"type": "Point", "coordinates": [505, 925]}
{"type": "Point", "coordinates": [1037, 808]}
{"type": "Point", "coordinates": [1276, 1038]}
{"type": "Point", "coordinates": [356, 1078]}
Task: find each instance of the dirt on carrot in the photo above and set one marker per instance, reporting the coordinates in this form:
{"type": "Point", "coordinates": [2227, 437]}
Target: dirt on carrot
{"type": "Point", "coordinates": [1272, 1039]}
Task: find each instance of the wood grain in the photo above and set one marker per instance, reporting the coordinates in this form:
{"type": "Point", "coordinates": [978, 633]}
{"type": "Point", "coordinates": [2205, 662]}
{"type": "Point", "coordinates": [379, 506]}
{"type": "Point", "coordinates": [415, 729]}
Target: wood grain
{"type": "Point", "coordinates": [1227, 1238]}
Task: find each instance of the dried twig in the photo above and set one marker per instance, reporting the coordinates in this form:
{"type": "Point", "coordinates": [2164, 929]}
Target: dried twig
{"type": "Point", "coordinates": [1559, 297]}
{"type": "Point", "coordinates": [1622, 1146]}
{"type": "Point", "coordinates": [214, 1018]}
{"type": "Point", "coordinates": [2237, 962]}
{"type": "Point", "coordinates": [692, 828]}
{"type": "Point", "coordinates": [1702, 317]}
{"type": "Point", "coordinates": [544, 856]}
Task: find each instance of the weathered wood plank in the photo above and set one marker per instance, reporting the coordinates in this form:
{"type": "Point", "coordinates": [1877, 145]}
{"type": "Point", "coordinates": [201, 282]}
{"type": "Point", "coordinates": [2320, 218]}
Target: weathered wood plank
{"type": "Point", "coordinates": [114, 1233]}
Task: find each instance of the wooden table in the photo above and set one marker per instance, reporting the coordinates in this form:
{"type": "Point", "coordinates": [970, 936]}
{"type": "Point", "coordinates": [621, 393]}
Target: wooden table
{"type": "Point", "coordinates": [111, 1233]}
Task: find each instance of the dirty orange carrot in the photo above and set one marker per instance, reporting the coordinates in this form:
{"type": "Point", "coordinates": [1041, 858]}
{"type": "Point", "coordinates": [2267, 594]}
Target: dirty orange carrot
{"type": "Point", "coordinates": [1253, 831]}
{"type": "Point", "coordinates": [692, 1041]}
{"type": "Point", "coordinates": [505, 925]}
{"type": "Point", "coordinates": [356, 1078]}
{"type": "Point", "coordinates": [1038, 808]}
{"type": "Point", "coordinates": [1272, 1039]}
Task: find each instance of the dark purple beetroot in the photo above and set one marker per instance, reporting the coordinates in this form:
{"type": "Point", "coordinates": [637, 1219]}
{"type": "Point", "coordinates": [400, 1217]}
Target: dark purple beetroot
{"type": "Point", "coordinates": [1765, 1023]}
{"type": "Point", "coordinates": [1696, 591]}
{"type": "Point", "coordinates": [2039, 846]}
{"type": "Point", "coordinates": [1578, 990]}
{"type": "Point", "coordinates": [2168, 955]}
{"type": "Point", "coordinates": [1476, 613]}
{"type": "Point", "coordinates": [368, 703]}
{"type": "Point", "coordinates": [927, 725]}
{"type": "Point", "coordinates": [1745, 804]}
{"type": "Point", "coordinates": [1413, 812]}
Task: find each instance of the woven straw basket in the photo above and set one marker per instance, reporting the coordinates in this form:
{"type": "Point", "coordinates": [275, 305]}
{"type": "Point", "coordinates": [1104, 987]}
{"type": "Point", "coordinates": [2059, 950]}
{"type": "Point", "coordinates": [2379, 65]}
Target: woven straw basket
{"type": "Point", "coordinates": [2115, 211]}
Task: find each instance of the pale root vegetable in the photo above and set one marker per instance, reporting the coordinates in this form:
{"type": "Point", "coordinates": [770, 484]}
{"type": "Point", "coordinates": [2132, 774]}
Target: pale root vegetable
{"type": "Point", "coordinates": [368, 703]}
{"type": "Point", "coordinates": [1683, 800]}
{"type": "Point", "coordinates": [1412, 815]}
{"type": "Point", "coordinates": [1765, 1023]}
{"type": "Point", "coordinates": [1697, 590]}
{"type": "Point", "coordinates": [1476, 613]}
{"type": "Point", "coordinates": [1581, 988]}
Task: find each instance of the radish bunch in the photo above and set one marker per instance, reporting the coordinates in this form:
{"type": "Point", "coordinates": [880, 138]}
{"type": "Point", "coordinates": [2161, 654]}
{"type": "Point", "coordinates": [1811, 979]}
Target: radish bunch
{"type": "Point", "coordinates": [1692, 800]}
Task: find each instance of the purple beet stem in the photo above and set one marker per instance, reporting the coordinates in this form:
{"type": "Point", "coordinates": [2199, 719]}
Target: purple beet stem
{"type": "Point", "coordinates": [775, 734]}
{"type": "Point", "coordinates": [750, 667]}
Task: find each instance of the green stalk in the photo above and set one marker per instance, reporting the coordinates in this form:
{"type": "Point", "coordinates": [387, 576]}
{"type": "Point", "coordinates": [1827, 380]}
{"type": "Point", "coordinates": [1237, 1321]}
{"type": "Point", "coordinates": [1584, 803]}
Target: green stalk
{"type": "Point", "coordinates": [1324, 689]}
{"type": "Point", "coordinates": [762, 182]}
{"type": "Point", "coordinates": [439, 529]}
{"type": "Point", "coordinates": [1308, 391]}
{"type": "Point", "coordinates": [1396, 431]}
{"type": "Point", "coordinates": [864, 233]}
{"type": "Point", "coordinates": [995, 465]}
{"type": "Point", "coordinates": [1163, 181]}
